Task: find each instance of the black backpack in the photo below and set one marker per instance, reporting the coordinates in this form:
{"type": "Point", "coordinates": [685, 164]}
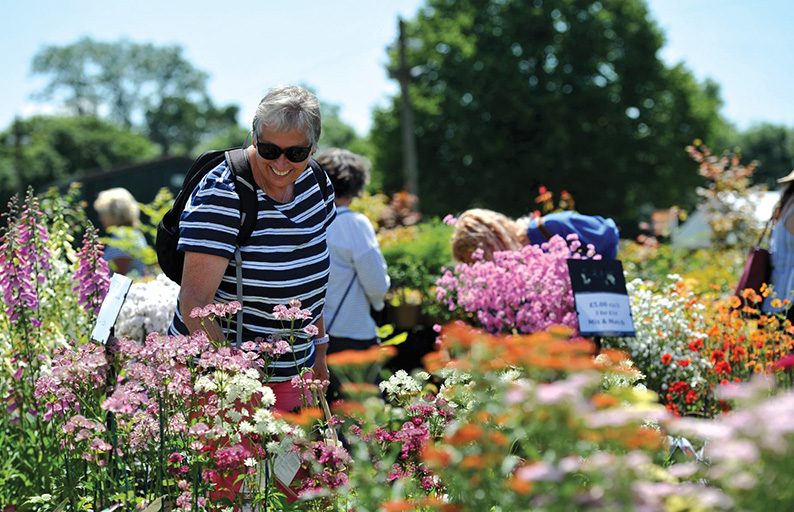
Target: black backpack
{"type": "Point", "coordinates": [172, 260]}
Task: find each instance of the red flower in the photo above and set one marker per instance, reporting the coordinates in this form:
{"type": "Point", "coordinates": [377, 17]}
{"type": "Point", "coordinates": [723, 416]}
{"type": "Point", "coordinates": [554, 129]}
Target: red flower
{"type": "Point", "coordinates": [717, 355]}
{"type": "Point", "coordinates": [679, 387]}
{"type": "Point", "coordinates": [691, 397]}
{"type": "Point", "coordinates": [696, 345]}
{"type": "Point", "coordinates": [673, 409]}
{"type": "Point", "coordinates": [684, 363]}
{"type": "Point", "coordinates": [722, 367]}
{"type": "Point", "coordinates": [666, 358]}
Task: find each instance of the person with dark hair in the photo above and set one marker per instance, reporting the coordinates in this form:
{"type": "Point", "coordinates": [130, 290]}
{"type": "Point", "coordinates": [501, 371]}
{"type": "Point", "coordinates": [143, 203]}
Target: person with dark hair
{"type": "Point", "coordinates": [286, 256]}
{"type": "Point", "coordinates": [781, 249]}
{"type": "Point", "coordinates": [359, 279]}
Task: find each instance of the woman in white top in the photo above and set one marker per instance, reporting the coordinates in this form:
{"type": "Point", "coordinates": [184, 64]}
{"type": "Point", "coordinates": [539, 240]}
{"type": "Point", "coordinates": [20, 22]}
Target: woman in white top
{"type": "Point", "coordinates": [358, 278]}
{"type": "Point", "coordinates": [781, 248]}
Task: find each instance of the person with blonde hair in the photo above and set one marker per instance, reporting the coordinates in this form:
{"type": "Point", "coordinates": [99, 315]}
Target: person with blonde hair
{"type": "Point", "coordinates": [491, 231]}
{"type": "Point", "coordinates": [118, 208]}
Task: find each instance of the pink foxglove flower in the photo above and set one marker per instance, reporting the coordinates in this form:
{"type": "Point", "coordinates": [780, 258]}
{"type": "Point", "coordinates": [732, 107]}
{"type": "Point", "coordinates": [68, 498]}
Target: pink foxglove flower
{"type": "Point", "coordinates": [93, 275]}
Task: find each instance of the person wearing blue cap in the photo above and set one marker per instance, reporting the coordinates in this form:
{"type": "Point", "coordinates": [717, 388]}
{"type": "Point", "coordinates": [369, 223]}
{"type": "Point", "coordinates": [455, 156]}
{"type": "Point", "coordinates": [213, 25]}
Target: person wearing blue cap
{"type": "Point", "coordinates": [491, 231]}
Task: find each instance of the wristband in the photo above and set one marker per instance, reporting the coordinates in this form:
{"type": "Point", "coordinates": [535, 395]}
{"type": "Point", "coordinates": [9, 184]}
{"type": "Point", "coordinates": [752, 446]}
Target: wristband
{"type": "Point", "coordinates": [322, 340]}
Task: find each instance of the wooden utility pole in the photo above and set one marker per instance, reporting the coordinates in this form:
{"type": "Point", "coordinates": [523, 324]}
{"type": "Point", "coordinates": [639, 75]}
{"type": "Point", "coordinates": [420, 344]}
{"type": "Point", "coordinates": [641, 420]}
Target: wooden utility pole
{"type": "Point", "coordinates": [403, 75]}
{"type": "Point", "coordinates": [16, 129]}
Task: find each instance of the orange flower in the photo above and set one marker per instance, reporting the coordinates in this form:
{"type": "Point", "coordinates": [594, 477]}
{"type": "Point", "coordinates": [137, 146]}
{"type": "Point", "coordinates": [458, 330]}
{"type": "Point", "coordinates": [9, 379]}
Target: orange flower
{"type": "Point", "coordinates": [436, 457]}
{"type": "Point", "coordinates": [735, 301]}
{"type": "Point", "coordinates": [304, 417]}
{"type": "Point", "coordinates": [472, 462]}
{"type": "Point", "coordinates": [435, 361]}
{"type": "Point", "coordinates": [498, 438]}
{"type": "Point", "coordinates": [397, 506]}
{"type": "Point", "coordinates": [666, 358]}
{"type": "Point", "coordinates": [434, 503]}
{"type": "Point", "coordinates": [349, 409]}
{"type": "Point", "coordinates": [359, 389]}
{"type": "Point", "coordinates": [376, 354]}
{"type": "Point", "coordinates": [604, 401]}
{"type": "Point", "coordinates": [466, 434]}
{"type": "Point", "coordinates": [521, 486]}
{"type": "Point", "coordinates": [643, 437]}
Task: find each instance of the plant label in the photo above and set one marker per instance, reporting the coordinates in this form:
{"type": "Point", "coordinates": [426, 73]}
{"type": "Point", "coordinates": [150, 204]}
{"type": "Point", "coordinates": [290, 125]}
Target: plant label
{"type": "Point", "coordinates": [602, 302]}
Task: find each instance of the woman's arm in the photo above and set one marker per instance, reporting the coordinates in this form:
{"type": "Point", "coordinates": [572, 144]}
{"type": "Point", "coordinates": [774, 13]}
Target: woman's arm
{"type": "Point", "coordinates": [201, 276]}
{"type": "Point", "coordinates": [320, 368]}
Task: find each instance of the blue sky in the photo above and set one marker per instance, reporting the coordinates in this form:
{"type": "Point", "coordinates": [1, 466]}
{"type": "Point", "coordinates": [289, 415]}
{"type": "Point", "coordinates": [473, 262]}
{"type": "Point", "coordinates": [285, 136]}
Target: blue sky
{"type": "Point", "coordinates": [339, 47]}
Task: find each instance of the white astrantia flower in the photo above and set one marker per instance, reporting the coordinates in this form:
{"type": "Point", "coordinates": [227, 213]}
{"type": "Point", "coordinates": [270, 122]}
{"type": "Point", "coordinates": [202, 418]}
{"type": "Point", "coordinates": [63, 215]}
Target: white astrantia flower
{"type": "Point", "coordinates": [510, 375]}
{"type": "Point", "coordinates": [242, 386]}
{"type": "Point", "coordinates": [205, 383]}
{"type": "Point", "coordinates": [234, 415]}
{"type": "Point", "coordinates": [422, 376]}
{"type": "Point", "coordinates": [401, 385]}
{"type": "Point", "coordinates": [265, 424]}
{"type": "Point", "coordinates": [268, 398]}
{"type": "Point", "coordinates": [620, 379]}
{"type": "Point", "coordinates": [452, 376]}
{"type": "Point", "coordinates": [148, 307]}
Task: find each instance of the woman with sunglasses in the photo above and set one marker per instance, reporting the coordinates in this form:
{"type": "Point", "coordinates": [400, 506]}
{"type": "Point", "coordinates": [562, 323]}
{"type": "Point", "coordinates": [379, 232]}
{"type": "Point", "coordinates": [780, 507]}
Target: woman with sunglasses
{"type": "Point", "coordinates": [286, 256]}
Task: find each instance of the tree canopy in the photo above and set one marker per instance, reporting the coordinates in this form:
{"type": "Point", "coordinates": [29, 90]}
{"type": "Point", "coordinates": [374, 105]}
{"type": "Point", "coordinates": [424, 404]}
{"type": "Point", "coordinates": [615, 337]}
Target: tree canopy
{"type": "Point", "coordinates": [509, 95]}
{"type": "Point", "coordinates": [150, 88]}
{"type": "Point", "coordinates": [772, 147]}
{"type": "Point", "coordinates": [43, 149]}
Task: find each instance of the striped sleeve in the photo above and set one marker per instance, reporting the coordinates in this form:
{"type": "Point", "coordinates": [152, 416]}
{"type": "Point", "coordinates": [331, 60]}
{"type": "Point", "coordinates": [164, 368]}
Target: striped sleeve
{"type": "Point", "coordinates": [210, 221]}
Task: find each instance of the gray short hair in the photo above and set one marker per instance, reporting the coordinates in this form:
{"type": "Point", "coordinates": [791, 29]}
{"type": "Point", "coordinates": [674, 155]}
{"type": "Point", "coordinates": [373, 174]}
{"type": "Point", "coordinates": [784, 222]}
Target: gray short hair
{"type": "Point", "coordinates": [287, 107]}
{"type": "Point", "coordinates": [118, 207]}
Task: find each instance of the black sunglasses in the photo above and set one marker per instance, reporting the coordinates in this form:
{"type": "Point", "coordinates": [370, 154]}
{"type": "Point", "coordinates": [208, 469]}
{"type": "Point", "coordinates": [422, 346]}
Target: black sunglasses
{"type": "Point", "coordinates": [294, 154]}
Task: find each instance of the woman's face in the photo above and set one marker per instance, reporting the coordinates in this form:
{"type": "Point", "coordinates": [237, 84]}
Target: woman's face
{"type": "Point", "coordinates": [277, 170]}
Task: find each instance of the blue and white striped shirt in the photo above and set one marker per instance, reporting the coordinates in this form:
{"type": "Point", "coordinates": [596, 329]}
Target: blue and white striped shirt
{"type": "Point", "coordinates": [285, 258]}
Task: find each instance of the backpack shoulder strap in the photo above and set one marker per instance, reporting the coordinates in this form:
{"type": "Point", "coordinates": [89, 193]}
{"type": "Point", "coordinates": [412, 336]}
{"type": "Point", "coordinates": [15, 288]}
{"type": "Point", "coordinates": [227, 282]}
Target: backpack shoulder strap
{"type": "Point", "coordinates": [319, 173]}
{"type": "Point", "coordinates": [244, 177]}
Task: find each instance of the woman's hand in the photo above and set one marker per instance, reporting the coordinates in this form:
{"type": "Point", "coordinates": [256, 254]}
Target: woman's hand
{"type": "Point", "coordinates": [320, 368]}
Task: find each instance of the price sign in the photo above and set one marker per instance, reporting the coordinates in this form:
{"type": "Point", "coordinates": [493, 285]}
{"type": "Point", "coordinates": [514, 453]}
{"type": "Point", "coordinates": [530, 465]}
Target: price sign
{"type": "Point", "coordinates": [602, 303]}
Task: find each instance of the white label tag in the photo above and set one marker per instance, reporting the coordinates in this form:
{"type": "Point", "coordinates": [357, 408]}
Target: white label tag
{"type": "Point", "coordinates": [111, 307]}
{"type": "Point", "coordinates": [286, 464]}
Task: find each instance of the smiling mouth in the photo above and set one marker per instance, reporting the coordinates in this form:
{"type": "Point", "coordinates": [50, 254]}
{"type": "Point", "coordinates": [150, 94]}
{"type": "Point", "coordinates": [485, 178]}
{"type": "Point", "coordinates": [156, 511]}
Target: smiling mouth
{"type": "Point", "coordinates": [277, 173]}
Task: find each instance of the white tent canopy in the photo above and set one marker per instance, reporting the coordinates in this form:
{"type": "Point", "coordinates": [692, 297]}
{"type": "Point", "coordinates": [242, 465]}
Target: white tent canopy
{"type": "Point", "coordinates": [695, 232]}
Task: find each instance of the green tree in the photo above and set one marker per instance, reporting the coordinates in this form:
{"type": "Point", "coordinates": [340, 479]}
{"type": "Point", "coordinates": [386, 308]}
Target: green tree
{"type": "Point", "coordinates": [43, 149]}
{"type": "Point", "coordinates": [512, 94]}
{"type": "Point", "coordinates": [150, 88]}
{"type": "Point", "coordinates": [772, 147]}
